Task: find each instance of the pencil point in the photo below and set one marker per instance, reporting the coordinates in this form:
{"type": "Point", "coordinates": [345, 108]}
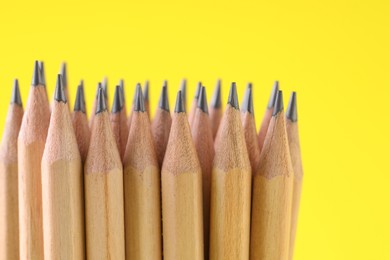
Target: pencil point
{"type": "Point", "coordinates": [42, 71]}
{"type": "Point", "coordinates": [216, 99]}
{"type": "Point", "coordinates": [233, 98]}
{"type": "Point", "coordinates": [198, 88]}
{"type": "Point", "coordinates": [36, 79]}
{"type": "Point", "coordinates": [118, 100]}
{"type": "Point", "coordinates": [183, 89]}
{"type": "Point", "coordinates": [179, 108]}
{"type": "Point", "coordinates": [64, 74]}
{"type": "Point", "coordinates": [291, 112]}
{"type": "Point", "coordinates": [165, 83]}
{"type": "Point", "coordinates": [105, 87]}
{"type": "Point", "coordinates": [247, 104]}
{"type": "Point", "coordinates": [272, 98]}
{"type": "Point", "coordinates": [278, 103]}
{"type": "Point", "coordinates": [202, 101]}
{"type": "Point", "coordinates": [79, 104]}
{"type": "Point", "coordinates": [122, 87]}
{"type": "Point", "coordinates": [163, 103]}
{"type": "Point", "coordinates": [139, 105]}
{"type": "Point", "coordinates": [16, 98]}
{"type": "Point", "coordinates": [101, 101]}
{"type": "Point", "coordinates": [146, 91]}
{"type": "Point", "coordinates": [59, 94]}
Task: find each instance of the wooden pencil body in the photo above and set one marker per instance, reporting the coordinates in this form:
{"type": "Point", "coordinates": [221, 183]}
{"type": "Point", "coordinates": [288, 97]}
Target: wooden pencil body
{"type": "Point", "coordinates": [63, 210]}
{"type": "Point", "coordinates": [215, 119]}
{"type": "Point", "coordinates": [161, 127]}
{"type": "Point", "coordinates": [264, 127]}
{"type": "Point", "coordinates": [120, 130]}
{"type": "Point", "coordinates": [251, 140]}
{"type": "Point", "coordinates": [82, 132]}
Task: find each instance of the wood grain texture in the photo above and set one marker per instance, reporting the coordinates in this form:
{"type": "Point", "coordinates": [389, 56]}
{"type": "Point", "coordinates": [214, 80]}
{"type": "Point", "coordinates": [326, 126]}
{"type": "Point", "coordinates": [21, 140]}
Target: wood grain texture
{"type": "Point", "coordinates": [62, 189]}
{"type": "Point", "coordinates": [272, 191]}
{"type": "Point", "coordinates": [204, 145]}
{"type": "Point", "coordinates": [103, 184]}
{"type": "Point", "coordinates": [295, 151]}
{"type": "Point", "coordinates": [161, 127]}
{"type": "Point", "coordinates": [82, 132]}
{"type": "Point", "coordinates": [215, 119]}
{"type": "Point", "coordinates": [182, 195]}
{"type": "Point", "coordinates": [120, 130]}
{"type": "Point", "coordinates": [9, 212]}
{"type": "Point", "coordinates": [264, 127]}
{"type": "Point", "coordinates": [142, 193]}
{"type": "Point", "coordinates": [230, 191]}
{"type": "Point", "coordinates": [251, 140]}
{"type": "Point", "coordinates": [31, 143]}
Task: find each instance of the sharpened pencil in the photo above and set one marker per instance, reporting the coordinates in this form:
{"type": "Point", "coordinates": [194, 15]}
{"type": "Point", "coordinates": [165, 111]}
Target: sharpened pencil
{"type": "Point", "coordinates": [146, 98]}
{"type": "Point", "coordinates": [93, 112]}
{"type": "Point", "coordinates": [194, 102]}
{"type": "Point", "coordinates": [216, 111]}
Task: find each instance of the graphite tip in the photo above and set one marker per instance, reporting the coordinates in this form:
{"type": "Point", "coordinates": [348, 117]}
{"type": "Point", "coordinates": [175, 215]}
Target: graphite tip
{"type": "Point", "coordinates": [101, 101]}
{"type": "Point", "coordinates": [79, 104]}
{"type": "Point", "coordinates": [272, 98]}
{"type": "Point", "coordinates": [146, 91]}
{"type": "Point", "coordinates": [105, 87]}
{"type": "Point", "coordinates": [59, 94]}
{"type": "Point", "coordinates": [42, 71]}
{"type": "Point", "coordinates": [233, 98]}
{"type": "Point", "coordinates": [202, 101]}
{"type": "Point", "coordinates": [179, 107]}
{"type": "Point", "coordinates": [117, 104]}
{"type": "Point", "coordinates": [216, 99]}
{"type": "Point", "coordinates": [164, 103]}
{"type": "Point", "coordinates": [183, 89]}
{"type": "Point", "coordinates": [291, 112]}
{"type": "Point", "coordinates": [16, 98]}
{"type": "Point", "coordinates": [278, 107]}
{"type": "Point", "coordinates": [165, 83]}
{"type": "Point", "coordinates": [139, 105]}
{"type": "Point", "coordinates": [122, 87]}
{"type": "Point", "coordinates": [247, 104]}
{"type": "Point", "coordinates": [64, 73]}
{"type": "Point", "coordinates": [198, 88]}
{"type": "Point", "coordinates": [36, 79]}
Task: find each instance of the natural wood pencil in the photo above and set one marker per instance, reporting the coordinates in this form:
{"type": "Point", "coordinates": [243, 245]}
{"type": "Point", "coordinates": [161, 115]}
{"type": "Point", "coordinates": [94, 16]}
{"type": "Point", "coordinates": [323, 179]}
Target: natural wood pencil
{"type": "Point", "coordinates": [204, 145]}
{"type": "Point", "coordinates": [106, 94]}
{"type": "Point", "coordinates": [146, 98]}
{"type": "Point", "coordinates": [118, 120]}
{"type": "Point", "coordinates": [64, 74]}
{"type": "Point", "coordinates": [249, 126]}
{"type": "Point", "coordinates": [62, 185]}
{"type": "Point", "coordinates": [9, 212]}
{"type": "Point", "coordinates": [267, 115]}
{"type": "Point", "coordinates": [230, 188]}
{"type": "Point", "coordinates": [80, 123]}
{"type": "Point", "coordinates": [182, 192]}
{"type": "Point", "coordinates": [43, 77]}
{"type": "Point", "coordinates": [194, 102]}
{"type": "Point", "coordinates": [31, 142]}
{"type": "Point", "coordinates": [183, 89]}
{"type": "Point", "coordinates": [216, 109]}
{"type": "Point", "coordinates": [93, 112]}
{"type": "Point", "coordinates": [142, 188]}
{"type": "Point", "coordinates": [272, 191]}
{"type": "Point", "coordinates": [161, 125]}
{"type": "Point", "coordinates": [295, 151]}
{"type": "Point", "coordinates": [122, 88]}
{"type": "Point", "coordinates": [103, 184]}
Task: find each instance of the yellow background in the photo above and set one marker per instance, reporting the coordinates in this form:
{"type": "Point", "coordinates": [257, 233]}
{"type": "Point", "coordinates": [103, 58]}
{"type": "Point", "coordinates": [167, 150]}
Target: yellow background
{"type": "Point", "coordinates": [334, 53]}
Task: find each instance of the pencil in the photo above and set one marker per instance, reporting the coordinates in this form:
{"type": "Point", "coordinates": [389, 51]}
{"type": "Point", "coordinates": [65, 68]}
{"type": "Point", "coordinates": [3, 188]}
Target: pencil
{"type": "Point", "coordinates": [181, 192]}
{"type": "Point", "coordinates": [105, 88]}
{"type": "Point", "coordinates": [267, 115]}
{"type": "Point", "coordinates": [230, 188]}
{"type": "Point", "coordinates": [204, 145]}
{"type": "Point", "coordinates": [146, 98]}
{"type": "Point", "coordinates": [31, 142]}
{"type": "Point", "coordinates": [272, 191]}
{"type": "Point", "coordinates": [64, 74]}
{"type": "Point", "coordinates": [161, 125]}
{"type": "Point", "coordinates": [103, 184]}
{"type": "Point", "coordinates": [118, 120]}
{"type": "Point", "coordinates": [216, 109]}
{"type": "Point", "coordinates": [122, 87]}
{"type": "Point", "coordinates": [142, 188]}
{"type": "Point", "coordinates": [183, 89]}
{"type": "Point", "coordinates": [295, 151]}
{"type": "Point", "coordinates": [43, 77]}
{"type": "Point", "coordinates": [194, 102]}
{"type": "Point", "coordinates": [249, 126]}
{"type": "Point", "coordinates": [93, 112]}
{"type": "Point", "coordinates": [9, 212]}
{"type": "Point", "coordinates": [62, 185]}
{"type": "Point", "coordinates": [80, 122]}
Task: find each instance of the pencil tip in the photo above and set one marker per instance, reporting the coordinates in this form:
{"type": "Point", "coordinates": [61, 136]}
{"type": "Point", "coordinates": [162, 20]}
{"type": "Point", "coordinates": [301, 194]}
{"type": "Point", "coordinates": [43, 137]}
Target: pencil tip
{"type": "Point", "coordinates": [101, 101]}
{"type": "Point", "coordinates": [163, 103]}
{"type": "Point", "coordinates": [139, 105]}
{"type": "Point", "coordinates": [183, 89]}
{"type": "Point", "coordinates": [278, 107]}
{"type": "Point", "coordinates": [42, 71]}
{"type": "Point", "coordinates": [198, 88]}
{"type": "Point", "coordinates": [233, 98]}
{"type": "Point", "coordinates": [272, 98]}
{"type": "Point", "coordinates": [179, 108]}
{"type": "Point", "coordinates": [146, 91]}
{"type": "Point", "coordinates": [216, 99]}
{"type": "Point", "coordinates": [117, 104]}
{"type": "Point", "coordinates": [59, 94]}
{"type": "Point", "coordinates": [64, 74]}
{"type": "Point", "coordinates": [247, 104]}
{"type": "Point", "coordinates": [79, 104]}
{"type": "Point", "coordinates": [16, 98]}
{"type": "Point", "coordinates": [291, 112]}
{"type": "Point", "coordinates": [36, 79]}
{"type": "Point", "coordinates": [105, 87]}
{"type": "Point", "coordinates": [202, 101]}
{"type": "Point", "coordinates": [122, 88]}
